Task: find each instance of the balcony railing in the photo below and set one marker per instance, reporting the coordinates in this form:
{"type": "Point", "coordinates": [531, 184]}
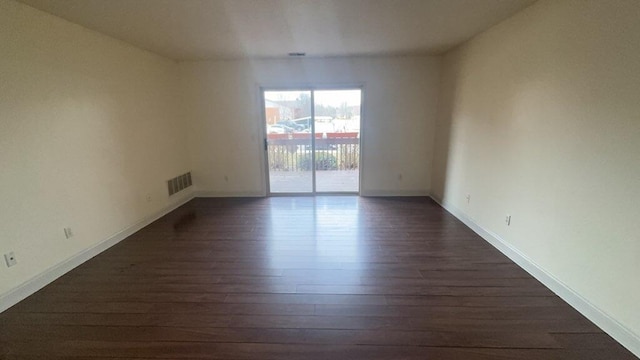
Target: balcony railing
{"type": "Point", "coordinates": [334, 151]}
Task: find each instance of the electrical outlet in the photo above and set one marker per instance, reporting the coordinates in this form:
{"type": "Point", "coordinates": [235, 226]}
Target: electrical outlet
{"type": "Point", "coordinates": [507, 220]}
{"type": "Point", "coordinates": [68, 233]}
{"type": "Point", "coordinates": [10, 259]}
{"type": "Point", "coordinates": [468, 198]}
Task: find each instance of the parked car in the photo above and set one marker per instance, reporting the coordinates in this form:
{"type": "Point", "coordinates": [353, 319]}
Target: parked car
{"type": "Point", "coordinates": [279, 129]}
{"type": "Point", "coordinates": [291, 124]}
{"type": "Point", "coordinates": [304, 123]}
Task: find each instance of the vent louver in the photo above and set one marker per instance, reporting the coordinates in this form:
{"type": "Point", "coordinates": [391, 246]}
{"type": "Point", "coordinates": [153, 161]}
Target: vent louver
{"type": "Point", "coordinates": [179, 183]}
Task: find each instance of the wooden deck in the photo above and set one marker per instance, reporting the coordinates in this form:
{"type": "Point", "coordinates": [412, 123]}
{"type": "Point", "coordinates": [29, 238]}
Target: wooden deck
{"type": "Point", "coordinates": [301, 278]}
{"type": "Point", "coordinates": [326, 181]}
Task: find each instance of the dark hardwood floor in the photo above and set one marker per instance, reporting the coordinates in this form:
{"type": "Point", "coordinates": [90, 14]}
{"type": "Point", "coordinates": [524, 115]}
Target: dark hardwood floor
{"type": "Point", "coordinates": [326, 278]}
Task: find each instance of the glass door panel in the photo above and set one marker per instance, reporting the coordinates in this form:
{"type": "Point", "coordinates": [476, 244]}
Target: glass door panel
{"type": "Point", "coordinates": [337, 140]}
{"type": "Point", "coordinates": [288, 141]}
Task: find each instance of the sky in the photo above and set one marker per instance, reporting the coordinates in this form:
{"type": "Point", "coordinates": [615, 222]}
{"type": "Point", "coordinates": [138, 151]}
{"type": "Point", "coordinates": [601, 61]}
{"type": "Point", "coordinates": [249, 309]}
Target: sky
{"type": "Point", "coordinates": [322, 97]}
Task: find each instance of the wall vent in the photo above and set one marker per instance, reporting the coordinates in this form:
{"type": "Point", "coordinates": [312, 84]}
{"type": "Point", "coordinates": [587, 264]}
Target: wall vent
{"type": "Point", "coordinates": [179, 183]}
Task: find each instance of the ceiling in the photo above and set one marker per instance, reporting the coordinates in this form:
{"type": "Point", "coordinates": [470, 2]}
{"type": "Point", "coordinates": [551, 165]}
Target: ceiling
{"type": "Point", "coordinates": [224, 29]}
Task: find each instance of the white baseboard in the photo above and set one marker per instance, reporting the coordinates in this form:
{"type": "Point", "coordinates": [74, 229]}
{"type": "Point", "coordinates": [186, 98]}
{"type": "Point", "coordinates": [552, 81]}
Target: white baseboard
{"type": "Point", "coordinates": [204, 193]}
{"type": "Point", "coordinates": [41, 280]}
{"type": "Point", "coordinates": [394, 193]}
{"type": "Point", "coordinates": [604, 321]}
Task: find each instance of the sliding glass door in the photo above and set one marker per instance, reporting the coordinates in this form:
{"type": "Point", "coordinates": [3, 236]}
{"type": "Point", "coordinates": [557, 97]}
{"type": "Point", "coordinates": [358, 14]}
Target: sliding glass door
{"type": "Point", "coordinates": [312, 141]}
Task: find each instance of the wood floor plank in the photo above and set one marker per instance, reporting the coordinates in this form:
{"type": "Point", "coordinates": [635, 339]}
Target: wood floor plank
{"type": "Point", "coordinates": [301, 278]}
{"type": "Point", "coordinates": [469, 339]}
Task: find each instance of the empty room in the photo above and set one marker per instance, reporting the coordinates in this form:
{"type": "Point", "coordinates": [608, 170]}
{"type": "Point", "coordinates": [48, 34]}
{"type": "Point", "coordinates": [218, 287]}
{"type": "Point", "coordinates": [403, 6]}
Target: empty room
{"type": "Point", "coordinates": [320, 179]}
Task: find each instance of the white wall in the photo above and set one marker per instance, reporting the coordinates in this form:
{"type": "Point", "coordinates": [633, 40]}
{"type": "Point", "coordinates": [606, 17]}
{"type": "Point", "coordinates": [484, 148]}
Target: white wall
{"type": "Point", "coordinates": [88, 128]}
{"type": "Point", "coordinates": [225, 135]}
{"type": "Point", "coordinates": [540, 119]}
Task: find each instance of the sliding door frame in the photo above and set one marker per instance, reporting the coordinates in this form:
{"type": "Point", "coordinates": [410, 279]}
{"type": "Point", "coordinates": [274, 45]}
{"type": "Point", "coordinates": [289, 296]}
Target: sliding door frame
{"type": "Point", "coordinates": [312, 88]}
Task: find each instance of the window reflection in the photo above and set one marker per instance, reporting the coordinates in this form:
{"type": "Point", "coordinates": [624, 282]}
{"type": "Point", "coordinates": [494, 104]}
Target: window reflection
{"type": "Point", "coordinates": [313, 232]}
